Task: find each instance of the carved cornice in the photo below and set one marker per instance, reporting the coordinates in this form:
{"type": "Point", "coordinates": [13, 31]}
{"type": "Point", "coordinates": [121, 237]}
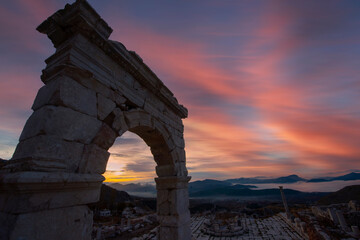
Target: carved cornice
{"type": "Point", "coordinates": [81, 18]}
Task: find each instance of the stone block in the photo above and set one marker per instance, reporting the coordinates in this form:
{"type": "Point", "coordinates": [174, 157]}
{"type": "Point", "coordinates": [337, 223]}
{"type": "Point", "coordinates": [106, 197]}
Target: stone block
{"type": "Point", "coordinates": [137, 117]}
{"type": "Point", "coordinates": [94, 159]}
{"type": "Point", "coordinates": [96, 86]}
{"type": "Point", "coordinates": [119, 99]}
{"type": "Point", "coordinates": [181, 169]}
{"type": "Point", "coordinates": [179, 141]}
{"type": "Point", "coordinates": [179, 199]}
{"type": "Point", "coordinates": [22, 192]}
{"type": "Point", "coordinates": [165, 170]}
{"type": "Point", "coordinates": [134, 97]}
{"type": "Point", "coordinates": [105, 138]}
{"type": "Point", "coordinates": [65, 91]}
{"type": "Point", "coordinates": [36, 164]}
{"type": "Point", "coordinates": [62, 122]}
{"type": "Point", "coordinates": [178, 154]}
{"type": "Point", "coordinates": [50, 148]}
{"type": "Point", "coordinates": [174, 220]}
{"type": "Point", "coordinates": [161, 154]}
{"type": "Point", "coordinates": [163, 131]}
{"type": "Point", "coordinates": [174, 122]}
{"type": "Point", "coordinates": [64, 223]}
{"type": "Point", "coordinates": [127, 78]}
{"type": "Point", "coordinates": [104, 106]}
{"type": "Point", "coordinates": [119, 123]}
{"type": "Point", "coordinates": [153, 110]}
{"type": "Point", "coordinates": [163, 204]}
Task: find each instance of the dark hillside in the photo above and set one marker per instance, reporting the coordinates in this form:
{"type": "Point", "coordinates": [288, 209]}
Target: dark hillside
{"type": "Point", "coordinates": [344, 195]}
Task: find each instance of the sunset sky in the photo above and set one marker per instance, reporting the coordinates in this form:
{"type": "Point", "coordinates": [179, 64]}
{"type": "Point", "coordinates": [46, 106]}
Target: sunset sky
{"type": "Point", "coordinates": [272, 87]}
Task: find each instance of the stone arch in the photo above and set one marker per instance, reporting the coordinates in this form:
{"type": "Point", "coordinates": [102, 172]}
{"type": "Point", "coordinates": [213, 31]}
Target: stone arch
{"type": "Point", "coordinates": [95, 90]}
{"type": "Point", "coordinates": [169, 158]}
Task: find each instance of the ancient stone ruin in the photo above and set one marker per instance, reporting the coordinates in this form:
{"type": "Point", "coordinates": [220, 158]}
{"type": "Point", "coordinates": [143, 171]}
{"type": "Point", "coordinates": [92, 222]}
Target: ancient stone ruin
{"type": "Point", "coordinates": [95, 90]}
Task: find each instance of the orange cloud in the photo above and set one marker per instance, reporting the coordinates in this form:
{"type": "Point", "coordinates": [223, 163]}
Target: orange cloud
{"type": "Point", "coordinates": [271, 109]}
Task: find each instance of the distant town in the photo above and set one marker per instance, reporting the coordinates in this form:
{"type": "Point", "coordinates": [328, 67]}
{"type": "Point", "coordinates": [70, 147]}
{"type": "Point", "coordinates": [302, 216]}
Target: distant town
{"type": "Point", "coordinates": [228, 210]}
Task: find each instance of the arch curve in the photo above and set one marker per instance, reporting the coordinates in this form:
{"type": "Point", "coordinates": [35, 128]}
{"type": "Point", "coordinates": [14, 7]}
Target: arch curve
{"type": "Point", "coordinates": [95, 90]}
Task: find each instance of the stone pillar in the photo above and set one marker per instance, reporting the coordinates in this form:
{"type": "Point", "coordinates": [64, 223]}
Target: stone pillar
{"type": "Point", "coordinates": [333, 216]}
{"type": "Point", "coordinates": [303, 227]}
{"type": "Point", "coordinates": [44, 205]}
{"type": "Point", "coordinates": [173, 208]}
{"type": "Point", "coordinates": [288, 215]}
{"type": "Point", "coordinates": [342, 221]}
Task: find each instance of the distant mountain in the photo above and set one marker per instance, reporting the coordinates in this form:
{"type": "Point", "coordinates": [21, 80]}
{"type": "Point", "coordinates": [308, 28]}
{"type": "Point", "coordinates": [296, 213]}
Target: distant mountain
{"type": "Point", "coordinates": [294, 178]}
{"type": "Point", "coordinates": [288, 179]}
{"type": "Point", "coordinates": [210, 184]}
{"type": "Point", "coordinates": [265, 194]}
{"type": "Point", "coordinates": [347, 177]}
{"type": "Point", "coordinates": [325, 179]}
{"type": "Point", "coordinates": [134, 187]}
{"type": "Point", "coordinates": [232, 187]}
{"type": "Point", "coordinates": [243, 192]}
{"type": "Point", "coordinates": [344, 195]}
{"type": "Point", "coordinates": [111, 196]}
{"type": "Point", "coordinates": [205, 185]}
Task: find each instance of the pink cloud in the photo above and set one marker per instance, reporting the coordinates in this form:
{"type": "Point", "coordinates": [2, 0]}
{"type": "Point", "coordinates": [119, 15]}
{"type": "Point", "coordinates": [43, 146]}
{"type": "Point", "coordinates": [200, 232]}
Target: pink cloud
{"type": "Point", "coordinates": [294, 128]}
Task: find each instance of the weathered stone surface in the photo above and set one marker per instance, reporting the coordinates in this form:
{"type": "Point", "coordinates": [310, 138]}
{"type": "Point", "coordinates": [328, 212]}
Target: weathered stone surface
{"type": "Point", "coordinates": [165, 170]}
{"type": "Point", "coordinates": [179, 202]}
{"type": "Point", "coordinates": [174, 220]}
{"type": "Point", "coordinates": [154, 106]}
{"type": "Point", "coordinates": [104, 106]}
{"type": "Point", "coordinates": [119, 123]}
{"type": "Point", "coordinates": [65, 91]}
{"type": "Point", "coordinates": [23, 192]}
{"type": "Point", "coordinates": [36, 164]}
{"type": "Point", "coordinates": [61, 122]}
{"type": "Point", "coordinates": [105, 138]}
{"type": "Point", "coordinates": [95, 90]}
{"type": "Point", "coordinates": [137, 117]}
{"type": "Point", "coordinates": [50, 148]}
{"type": "Point", "coordinates": [178, 232]}
{"type": "Point", "coordinates": [172, 204]}
{"type": "Point", "coordinates": [76, 223]}
{"type": "Point", "coordinates": [178, 154]}
{"type": "Point", "coordinates": [134, 98]}
{"type": "Point", "coordinates": [163, 202]}
{"type": "Point", "coordinates": [94, 159]}
{"type": "Point", "coordinates": [173, 207]}
{"type": "Point", "coordinates": [119, 99]}
{"type": "Point", "coordinates": [162, 130]}
{"type": "Point", "coordinates": [174, 227]}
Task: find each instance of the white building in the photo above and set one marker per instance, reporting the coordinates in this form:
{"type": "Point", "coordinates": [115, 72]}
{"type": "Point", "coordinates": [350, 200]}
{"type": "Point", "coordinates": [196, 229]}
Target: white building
{"type": "Point", "coordinates": [105, 213]}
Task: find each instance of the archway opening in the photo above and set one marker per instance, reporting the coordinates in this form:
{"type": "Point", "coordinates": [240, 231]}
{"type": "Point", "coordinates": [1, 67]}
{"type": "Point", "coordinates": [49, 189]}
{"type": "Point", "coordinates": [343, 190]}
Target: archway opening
{"type": "Point", "coordinates": [128, 199]}
{"type": "Point", "coordinates": [131, 166]}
